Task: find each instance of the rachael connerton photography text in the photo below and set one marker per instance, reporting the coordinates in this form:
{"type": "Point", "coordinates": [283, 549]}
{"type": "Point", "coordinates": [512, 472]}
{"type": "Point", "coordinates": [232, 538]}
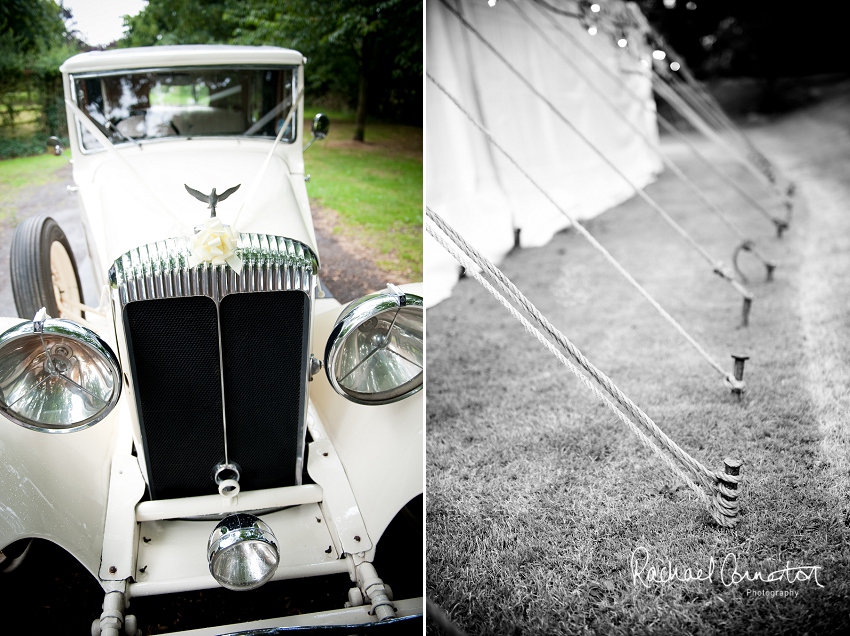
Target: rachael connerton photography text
{"type": "Point", "coordinates": [649, 572]}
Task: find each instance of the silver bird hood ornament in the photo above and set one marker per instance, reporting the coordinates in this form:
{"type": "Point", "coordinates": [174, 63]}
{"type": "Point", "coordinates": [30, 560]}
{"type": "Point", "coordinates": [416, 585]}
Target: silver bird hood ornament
{"type": "Point", "coordinates": [212, 198]}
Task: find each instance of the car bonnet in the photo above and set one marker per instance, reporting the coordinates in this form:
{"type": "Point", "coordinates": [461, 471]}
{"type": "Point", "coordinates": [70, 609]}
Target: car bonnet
{"type": "Point", "coordinates": [142, 198]}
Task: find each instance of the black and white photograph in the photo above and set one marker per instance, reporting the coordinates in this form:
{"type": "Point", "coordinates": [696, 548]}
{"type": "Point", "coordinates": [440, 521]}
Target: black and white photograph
{"type": "Point", "coordinates": [637, 253]}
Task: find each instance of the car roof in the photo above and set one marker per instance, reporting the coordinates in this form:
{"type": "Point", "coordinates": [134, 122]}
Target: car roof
{"type": "Point", "coordinates": [181, 55]}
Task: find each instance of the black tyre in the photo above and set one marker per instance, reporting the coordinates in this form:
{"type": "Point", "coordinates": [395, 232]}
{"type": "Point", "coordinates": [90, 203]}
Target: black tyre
{"type": "Point", "coordinates": [44, 271]}
{"type": "Point", "coordinates": [13, 555]}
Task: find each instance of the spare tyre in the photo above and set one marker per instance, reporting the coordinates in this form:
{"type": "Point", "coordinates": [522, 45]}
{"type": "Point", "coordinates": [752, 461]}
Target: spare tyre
{"type": "Point", "coordinates": [44, 271]}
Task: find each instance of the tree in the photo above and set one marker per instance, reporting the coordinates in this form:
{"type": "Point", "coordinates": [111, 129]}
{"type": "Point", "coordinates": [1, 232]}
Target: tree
{"type": "Point", "coordinates": [380, 41]}
{"type": "Point", "coordinates": [178, 22]}
{"type": "Point", "coordinates": [759, 38]}
{"type": "Point", "coordinates": [34, 41]}
{"type": "Point", "coordinates": [32, 24]}
{"type": "Point", "coordinates": [369, 52]}
{"type": "Point", "coordinates": [27, 28]}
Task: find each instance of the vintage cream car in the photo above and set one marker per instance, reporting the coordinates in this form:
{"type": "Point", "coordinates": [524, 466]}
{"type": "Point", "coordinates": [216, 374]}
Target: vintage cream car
{"type": "Point", "coordinates": [215, 417]}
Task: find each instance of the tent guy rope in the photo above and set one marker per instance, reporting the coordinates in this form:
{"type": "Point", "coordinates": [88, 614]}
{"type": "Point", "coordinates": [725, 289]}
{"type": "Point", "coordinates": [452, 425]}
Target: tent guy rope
{"type": "Point", "coordinates": [733, 383]}
{"type": "Point", "coordinates": [780, 225]}
{"type": "Point", "coordinates": [717, 266]}
{"type": "Point", "coordinates": [711, 106]}
{"type": "Point", "coordinates": [751, 246]}
{"type": "Point", "coordinates": [662, 87]}
{"type": "Point", "coordinates": [722, 502]}
{"type": "Point", "coordinates": [670, 128]}
{"type": "Point", "coordinates": [693, 92]}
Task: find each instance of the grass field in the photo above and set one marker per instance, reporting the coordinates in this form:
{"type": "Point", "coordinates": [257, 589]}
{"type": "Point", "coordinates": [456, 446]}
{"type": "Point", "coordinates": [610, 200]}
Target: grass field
{"type": "Point", "coordinates": [537, 497]}
{"type": "Point", "coordinates": [375, 187]}
{"type": "Point", "coordinates": [16, 174]}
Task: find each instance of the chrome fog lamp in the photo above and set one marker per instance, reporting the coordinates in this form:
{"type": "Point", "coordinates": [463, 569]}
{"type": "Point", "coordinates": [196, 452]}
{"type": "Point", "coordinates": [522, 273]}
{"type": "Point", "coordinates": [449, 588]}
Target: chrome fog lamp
{"type": "Point", "coordinates": [56, 376]}
{"type": "Point", "coordinates": [375, 351]}
{"type": "Point", "coordinates": [242, 552]}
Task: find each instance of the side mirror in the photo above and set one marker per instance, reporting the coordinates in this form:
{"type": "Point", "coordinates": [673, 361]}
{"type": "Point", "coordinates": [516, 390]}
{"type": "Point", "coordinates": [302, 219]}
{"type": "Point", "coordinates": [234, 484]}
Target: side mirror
{"type": "Point", "coordinates": [320, 128]}
{"type": "Point", "coordinates": [57, 145]}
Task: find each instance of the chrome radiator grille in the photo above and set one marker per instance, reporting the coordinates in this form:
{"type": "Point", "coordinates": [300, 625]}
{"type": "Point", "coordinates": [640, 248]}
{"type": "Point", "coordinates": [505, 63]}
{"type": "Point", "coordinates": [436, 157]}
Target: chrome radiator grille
{"type": "Point", "coordinates": [161, 270]}
{"type": "Point", "coordinates": [219, 361]}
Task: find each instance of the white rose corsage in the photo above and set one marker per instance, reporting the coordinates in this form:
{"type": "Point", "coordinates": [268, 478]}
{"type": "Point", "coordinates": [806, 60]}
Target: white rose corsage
{"type": "Point", "coordinates": [216, 245]}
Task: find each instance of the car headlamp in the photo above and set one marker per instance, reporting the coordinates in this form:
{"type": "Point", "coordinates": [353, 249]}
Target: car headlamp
{"type": "Point", "coordinates": [242, 552]}
{"type": "Point", "coordinates": [375, 351]}
{"type": "Point", "coordinates": [56, 376]}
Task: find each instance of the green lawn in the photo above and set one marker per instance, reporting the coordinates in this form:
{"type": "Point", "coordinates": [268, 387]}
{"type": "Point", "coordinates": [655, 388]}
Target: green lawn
{"type": "Point", "coordinates": [15, 174]}
{"type": "Point", "coordinates": [376, 187]}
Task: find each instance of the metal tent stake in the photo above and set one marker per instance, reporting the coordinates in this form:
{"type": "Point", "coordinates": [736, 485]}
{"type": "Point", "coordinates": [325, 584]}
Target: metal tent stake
{"type": "Point", "coordinates": [732, 467]}
{"type": "Point", "coordinates": [745, 316]}
{"type": "Point", "coordinates": [739, 374]}
{"type": "Point", "coordinates": [749, 246]}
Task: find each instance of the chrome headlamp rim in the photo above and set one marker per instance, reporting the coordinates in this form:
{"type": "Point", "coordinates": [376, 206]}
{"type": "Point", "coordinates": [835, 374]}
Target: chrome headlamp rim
{"type": "Point", "coordinates": [236, 529]}
{"type": "Point", "coordinates": [352, 316]}
{"type": "Point", "coordinates": [64, 328]}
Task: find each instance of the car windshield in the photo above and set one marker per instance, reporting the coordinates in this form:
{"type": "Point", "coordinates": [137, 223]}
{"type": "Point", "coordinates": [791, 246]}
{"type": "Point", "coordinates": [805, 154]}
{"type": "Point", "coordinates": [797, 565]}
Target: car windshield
{"type": "Point", "coordinates": [131, 107]}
